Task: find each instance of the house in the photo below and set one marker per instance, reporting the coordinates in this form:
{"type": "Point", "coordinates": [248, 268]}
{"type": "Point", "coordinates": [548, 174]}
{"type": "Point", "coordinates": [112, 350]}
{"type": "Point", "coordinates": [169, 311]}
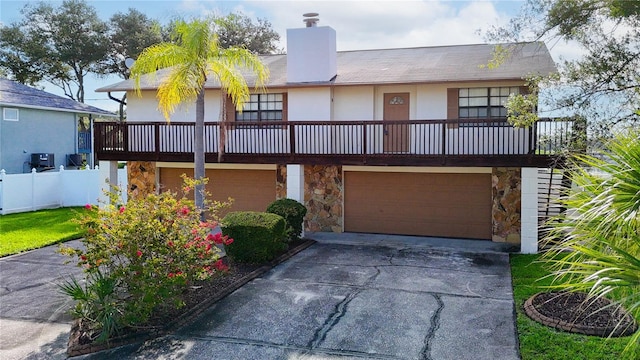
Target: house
{"type": "Point", "coordinates": [403, 141]}
{"type": "Point", "coordinates": [42, 130]}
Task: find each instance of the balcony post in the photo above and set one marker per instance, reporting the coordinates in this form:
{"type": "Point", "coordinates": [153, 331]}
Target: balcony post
{"type": "Point", "coordinates": [364, 142]}
{"type": "Point", "coordinates": [156, 140]}
{"type": "Point", "coordinates": [292, 139]}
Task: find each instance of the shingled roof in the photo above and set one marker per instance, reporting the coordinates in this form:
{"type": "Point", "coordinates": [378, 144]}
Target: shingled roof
{"type": "Point", "coordinates": [437, 64]}
{"type": "Point", "coordinates": [22, 96]}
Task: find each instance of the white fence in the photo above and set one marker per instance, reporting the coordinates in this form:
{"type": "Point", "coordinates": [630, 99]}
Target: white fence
{"type": "Point", "coordinates": [34, 191]}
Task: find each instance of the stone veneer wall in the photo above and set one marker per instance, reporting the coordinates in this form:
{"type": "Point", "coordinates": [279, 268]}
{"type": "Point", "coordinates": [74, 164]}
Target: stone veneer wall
{"type": "Point", "coordinates": [281, 181]}
{"type": "Point", "coordinates": [323, 189]}
{"type": "Point", "coordinates": [142, 178]}
{"type": "Point", "coordinates": [506, 208]}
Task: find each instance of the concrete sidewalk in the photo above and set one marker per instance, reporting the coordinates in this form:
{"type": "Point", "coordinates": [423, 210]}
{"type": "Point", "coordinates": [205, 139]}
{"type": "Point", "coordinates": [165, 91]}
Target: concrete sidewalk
{"type": "Point", "coordinates": [34, 323]}
{"type": "Point", "coordinates": [400, 298]}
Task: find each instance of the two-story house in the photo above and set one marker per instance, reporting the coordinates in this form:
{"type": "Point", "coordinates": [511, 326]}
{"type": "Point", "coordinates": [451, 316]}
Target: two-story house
{"type": "Point", "coordinates": [43, 131]}
{"type": "Point", "coordinates": [402, 141]}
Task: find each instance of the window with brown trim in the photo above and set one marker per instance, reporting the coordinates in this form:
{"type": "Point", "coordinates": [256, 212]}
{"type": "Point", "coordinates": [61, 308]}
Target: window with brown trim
{"type": "Point", "coordinates": [474, 103]}
{"type": "Point", "coordinates": [263, 107]}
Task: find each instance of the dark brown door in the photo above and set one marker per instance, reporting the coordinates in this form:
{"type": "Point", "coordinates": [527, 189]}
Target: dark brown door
{"type": "Point", "coordinates": [396, 136]}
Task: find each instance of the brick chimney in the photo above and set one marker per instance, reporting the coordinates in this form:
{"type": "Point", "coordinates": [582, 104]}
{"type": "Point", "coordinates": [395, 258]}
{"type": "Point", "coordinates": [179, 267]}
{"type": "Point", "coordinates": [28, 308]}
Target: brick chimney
{"type": "Point", "coordinates": [311, 52]}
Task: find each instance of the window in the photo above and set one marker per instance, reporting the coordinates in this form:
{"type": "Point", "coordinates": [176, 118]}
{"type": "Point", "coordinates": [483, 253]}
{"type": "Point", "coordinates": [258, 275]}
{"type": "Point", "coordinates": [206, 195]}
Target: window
{"type": "Point", "coordinates": [484, 102]}
{"type": "Point", "coordinates": [262, 107]}
{"type": "Point", "coordinates": [10, 114]}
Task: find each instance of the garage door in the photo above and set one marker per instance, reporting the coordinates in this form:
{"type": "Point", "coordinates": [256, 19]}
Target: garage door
{"type": "Point", "coordinates": [251, 190]}
{"type": "Point", "coordinates": [426, 204]}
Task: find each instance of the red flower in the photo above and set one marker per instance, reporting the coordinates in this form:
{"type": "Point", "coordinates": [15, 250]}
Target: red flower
{"type": "Point", "coordinates": [210, 237]}
{"type": "Point", "coordinates": [170, 243]}
{"type": "Point", "coordinates": [139, 253]}
{"type": "Point", "coordinates": [220, 265]}
{"type": "Point", "coordinates": [186, 189]}
{"type": "Point", "coordinates": [171, 275]}
{"type": "Point", "coordinates": [184, 210]}
{"type": "Point", "coordinates": [217, 238]}
{"type": "Point", "coordinates": [88, 206]}
{"type": "Point", "coordinates": [121, 209]}
{"type": "Point", "coordinates": [229, 241]}
{"type": "Point", "coordinates": [83, 258]}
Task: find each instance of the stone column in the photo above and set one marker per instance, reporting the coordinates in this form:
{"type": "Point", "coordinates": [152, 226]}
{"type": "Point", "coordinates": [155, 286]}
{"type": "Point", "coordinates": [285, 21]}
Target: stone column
{"type": "Point", "coordinates": [281, 181]}
{"type": "Point", "coordinates": [323, 195]}
{"type": "Point", "coordinates": [506, 208]}
{"type": "Point", "coordinates": [142, 178]}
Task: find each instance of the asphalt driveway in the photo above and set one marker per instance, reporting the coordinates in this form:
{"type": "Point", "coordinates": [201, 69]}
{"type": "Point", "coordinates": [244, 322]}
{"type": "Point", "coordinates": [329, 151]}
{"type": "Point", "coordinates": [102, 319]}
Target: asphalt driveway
{"type": "Point", "coordinates": [338, 300]}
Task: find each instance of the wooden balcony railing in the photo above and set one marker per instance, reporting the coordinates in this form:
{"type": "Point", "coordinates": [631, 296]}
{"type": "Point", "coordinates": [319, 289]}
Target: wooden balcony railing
{"type": "Point", "coordinates": [412, 143]}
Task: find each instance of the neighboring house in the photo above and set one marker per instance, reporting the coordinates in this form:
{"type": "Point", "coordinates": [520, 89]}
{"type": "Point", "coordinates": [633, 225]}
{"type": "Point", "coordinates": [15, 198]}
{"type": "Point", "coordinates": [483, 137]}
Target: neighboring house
{"type": "Point", "coordinates": [41, 130]}
{"type": "Point", "coordinates": [400, 141]}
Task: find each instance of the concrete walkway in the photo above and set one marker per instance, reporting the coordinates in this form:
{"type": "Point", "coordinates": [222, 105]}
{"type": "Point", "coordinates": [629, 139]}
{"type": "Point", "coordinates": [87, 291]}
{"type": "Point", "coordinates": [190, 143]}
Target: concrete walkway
{"type": "Point", "coordinates": [34, 323]}
{"type": "Point", "coordinates": [355, 296]}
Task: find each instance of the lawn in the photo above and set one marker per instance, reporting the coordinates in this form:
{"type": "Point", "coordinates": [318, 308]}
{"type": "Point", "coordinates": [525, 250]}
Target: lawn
{"type": "Point", "coordinates": [540, 342]}
{"type": "Point", "coordinates": [32, 230]}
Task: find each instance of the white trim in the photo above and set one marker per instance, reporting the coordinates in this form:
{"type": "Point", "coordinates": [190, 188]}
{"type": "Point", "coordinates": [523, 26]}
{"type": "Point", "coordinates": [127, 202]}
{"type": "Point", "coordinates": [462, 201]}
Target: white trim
{"type": "Point", "coordinates": [416, 169]}
{"type": "Point", "coordinates": [6, 118]}
{"type": "Point", "coordinates": [223, 166]}
{"type": "Point", "coordinates": [73, 111]}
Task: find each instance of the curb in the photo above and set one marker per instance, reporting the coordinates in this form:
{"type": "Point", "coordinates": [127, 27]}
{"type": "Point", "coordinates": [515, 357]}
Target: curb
{"type": "Point", "coordinates": [608, 331]}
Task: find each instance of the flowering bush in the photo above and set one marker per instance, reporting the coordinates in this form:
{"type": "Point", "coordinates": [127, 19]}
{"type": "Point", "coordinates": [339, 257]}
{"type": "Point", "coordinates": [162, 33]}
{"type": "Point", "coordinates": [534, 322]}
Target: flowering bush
{"type": "Point", "coordinates": [149, 250]}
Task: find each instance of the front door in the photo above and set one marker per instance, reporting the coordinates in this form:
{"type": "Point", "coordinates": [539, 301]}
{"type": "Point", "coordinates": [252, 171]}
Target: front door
{"type": "Point", "coordinates": [396, 136]}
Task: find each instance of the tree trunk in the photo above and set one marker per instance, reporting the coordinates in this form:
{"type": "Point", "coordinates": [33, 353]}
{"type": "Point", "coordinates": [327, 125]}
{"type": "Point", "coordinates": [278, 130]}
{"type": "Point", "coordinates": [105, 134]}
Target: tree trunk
{"type": "Point", "coordinates": [199, 152]}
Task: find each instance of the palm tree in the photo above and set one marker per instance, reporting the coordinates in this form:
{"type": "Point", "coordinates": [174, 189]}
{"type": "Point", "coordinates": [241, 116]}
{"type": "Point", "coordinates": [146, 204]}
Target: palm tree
{"type": "Point", "coordinates": [601, 229]}
{"type": "Point", "coordinates": [193, 56]}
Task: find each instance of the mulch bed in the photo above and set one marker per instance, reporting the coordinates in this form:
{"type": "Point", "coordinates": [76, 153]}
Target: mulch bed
{"type": "Point", "coordinates": [197, 298]}
{"type": "Point", "coordinates": [576, 312]}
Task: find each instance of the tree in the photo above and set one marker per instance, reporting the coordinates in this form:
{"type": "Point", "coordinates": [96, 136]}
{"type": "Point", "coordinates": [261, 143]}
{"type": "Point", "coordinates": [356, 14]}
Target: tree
{"type": "Point", "coordinates": [129, 34]}
{"type": "Point", "coordinates": [604, 85]}
{"type": "Point", "coordinates": [239, 30]}
{"type": "Point", "coordinates": [60, 45]}
{"type": "Point", "coordinates": [192, 58]}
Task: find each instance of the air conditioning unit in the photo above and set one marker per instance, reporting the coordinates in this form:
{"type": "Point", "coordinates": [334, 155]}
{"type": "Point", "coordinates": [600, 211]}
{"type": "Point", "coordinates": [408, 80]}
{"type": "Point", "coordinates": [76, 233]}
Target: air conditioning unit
{"type": "Point", "coordinates": [42, 160]}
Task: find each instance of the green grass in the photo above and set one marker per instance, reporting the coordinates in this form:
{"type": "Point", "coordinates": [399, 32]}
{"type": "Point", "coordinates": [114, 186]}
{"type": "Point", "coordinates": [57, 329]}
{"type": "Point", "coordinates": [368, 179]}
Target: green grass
{"type": "Point", "coordinates": [540, 342]}
{"type": "Point", "coordinates": [32, 230]}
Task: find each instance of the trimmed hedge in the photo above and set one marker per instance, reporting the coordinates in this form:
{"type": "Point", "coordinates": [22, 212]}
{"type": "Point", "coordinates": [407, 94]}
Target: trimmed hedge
{"type": "Point", "coordinates": [258, 237]}
{"type": "Point", "coordinates": [293, 212]}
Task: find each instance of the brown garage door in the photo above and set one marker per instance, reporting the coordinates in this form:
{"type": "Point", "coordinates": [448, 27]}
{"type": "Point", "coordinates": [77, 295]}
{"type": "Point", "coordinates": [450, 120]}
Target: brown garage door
{"type": "Point", "coordinates": [427, 204]}
{"type": "Point", "coordinates": [251, 190]}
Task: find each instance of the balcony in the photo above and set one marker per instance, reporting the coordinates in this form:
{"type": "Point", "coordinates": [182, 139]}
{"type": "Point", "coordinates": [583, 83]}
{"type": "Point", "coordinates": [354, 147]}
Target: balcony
{"type": "Point", "coordinates": [461, 142]}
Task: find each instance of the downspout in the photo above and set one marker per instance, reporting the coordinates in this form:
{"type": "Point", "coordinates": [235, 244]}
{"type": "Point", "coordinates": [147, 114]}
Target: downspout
{"type": "Point", "coordinates": [122, 103]}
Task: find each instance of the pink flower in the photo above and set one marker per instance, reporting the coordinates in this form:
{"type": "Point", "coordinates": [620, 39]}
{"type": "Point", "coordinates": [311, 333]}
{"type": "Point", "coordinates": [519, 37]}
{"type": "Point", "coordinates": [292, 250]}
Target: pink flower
{"type": "Point", "coordinates": [186, 189]}
{"type": "Point", "coordinates": [139, 253]}
{"type": "Point", "coordinates": [171, 275]}
{"type": "Point", "coordinates": [229, 241]}
{"type": "Point", "coordinates": [121, 209]}
{"type": "Point", "coordinates": [184, 210]}
{"type": "Point", "coordinates": [88, 206]}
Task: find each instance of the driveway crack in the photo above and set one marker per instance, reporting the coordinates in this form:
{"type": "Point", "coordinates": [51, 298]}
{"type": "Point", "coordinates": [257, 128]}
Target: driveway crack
{"type": "Point", "coordinates": [425, 354]}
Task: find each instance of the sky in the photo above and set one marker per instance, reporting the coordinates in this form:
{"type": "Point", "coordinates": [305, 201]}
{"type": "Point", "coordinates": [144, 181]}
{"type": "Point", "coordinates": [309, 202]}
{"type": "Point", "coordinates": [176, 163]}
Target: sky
{"type": "Point", "coordinates": [359, 24]}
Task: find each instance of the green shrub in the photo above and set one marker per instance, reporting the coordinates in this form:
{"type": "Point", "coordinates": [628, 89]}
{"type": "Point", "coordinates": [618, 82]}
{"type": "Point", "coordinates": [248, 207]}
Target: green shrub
{"type": "Point", "coordinates": [140, 257]}
{"type": "Point", "coordinates": [293, 212]}
{"type": "Point", "coordinates": [258, 237]}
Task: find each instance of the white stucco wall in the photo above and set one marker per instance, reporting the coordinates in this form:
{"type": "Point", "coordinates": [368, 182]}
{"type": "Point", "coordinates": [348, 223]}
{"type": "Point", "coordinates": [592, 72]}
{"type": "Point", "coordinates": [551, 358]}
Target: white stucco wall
{"type": "Point", "coordinates": [313, 104]}
{"type": "Point", "coordinates": [144, 108]}
{"type": "Point", "coordinates": [353, 103]}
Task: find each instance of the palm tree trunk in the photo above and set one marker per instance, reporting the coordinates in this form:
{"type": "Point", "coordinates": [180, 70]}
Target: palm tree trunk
{"type": "Point", "coordinates": [198, 156]}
